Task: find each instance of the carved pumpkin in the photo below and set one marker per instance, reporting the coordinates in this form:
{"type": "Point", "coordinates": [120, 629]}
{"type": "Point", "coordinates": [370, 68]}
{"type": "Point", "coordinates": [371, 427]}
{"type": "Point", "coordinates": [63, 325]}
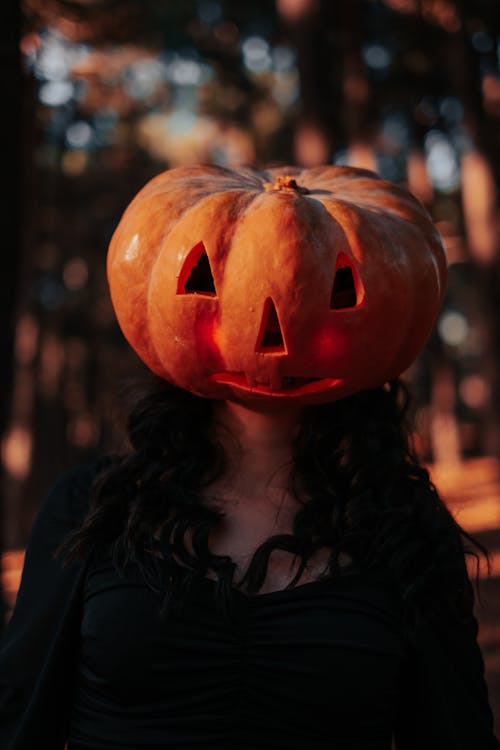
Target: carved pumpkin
{"type": "Point", "coordinates": [305, 285]}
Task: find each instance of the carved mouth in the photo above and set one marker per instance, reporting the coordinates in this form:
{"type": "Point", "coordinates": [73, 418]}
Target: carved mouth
{"type": "Point", "coordinates": [290, 386]}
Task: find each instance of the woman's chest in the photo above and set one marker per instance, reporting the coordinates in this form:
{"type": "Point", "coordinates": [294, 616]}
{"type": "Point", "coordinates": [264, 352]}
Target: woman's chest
{"type": "Point", "coordinates": [308, 648]}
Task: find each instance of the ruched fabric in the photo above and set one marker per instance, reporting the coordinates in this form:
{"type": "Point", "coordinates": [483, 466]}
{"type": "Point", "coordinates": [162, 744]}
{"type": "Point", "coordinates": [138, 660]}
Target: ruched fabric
{"type": "Point", "coordinates": [86, 661]}
{"type": "Point", "coordinates": [313, 667]}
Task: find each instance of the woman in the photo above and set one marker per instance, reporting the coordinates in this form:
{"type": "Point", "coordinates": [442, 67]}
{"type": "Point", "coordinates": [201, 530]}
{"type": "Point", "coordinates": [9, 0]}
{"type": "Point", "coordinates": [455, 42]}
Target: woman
{"type": "Point", "coordinates": [269, 566]}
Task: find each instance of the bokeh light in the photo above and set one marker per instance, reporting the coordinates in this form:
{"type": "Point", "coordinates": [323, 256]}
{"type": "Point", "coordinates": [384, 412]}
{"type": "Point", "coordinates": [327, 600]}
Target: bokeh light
{"type": "Point", "coordinates": [453, 328]}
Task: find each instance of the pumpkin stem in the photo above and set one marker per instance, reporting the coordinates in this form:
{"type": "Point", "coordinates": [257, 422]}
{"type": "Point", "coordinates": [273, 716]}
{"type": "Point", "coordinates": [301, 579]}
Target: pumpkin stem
{"type": "Point", "coordinates": [285, 182]}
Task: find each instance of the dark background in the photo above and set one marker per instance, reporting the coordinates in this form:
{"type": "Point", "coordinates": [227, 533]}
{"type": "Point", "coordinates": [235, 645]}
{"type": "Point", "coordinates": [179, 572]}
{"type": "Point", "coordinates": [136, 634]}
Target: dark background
{"type": "Point", "coordinates": [114, 92]}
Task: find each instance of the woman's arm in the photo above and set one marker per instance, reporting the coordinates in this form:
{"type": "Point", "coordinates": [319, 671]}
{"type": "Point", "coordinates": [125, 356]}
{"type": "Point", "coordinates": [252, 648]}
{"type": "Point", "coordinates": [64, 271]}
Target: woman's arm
{"type": "Point", "coordinates": [39, 650]}
{"type": "Point", "coordinates": [444, 698]}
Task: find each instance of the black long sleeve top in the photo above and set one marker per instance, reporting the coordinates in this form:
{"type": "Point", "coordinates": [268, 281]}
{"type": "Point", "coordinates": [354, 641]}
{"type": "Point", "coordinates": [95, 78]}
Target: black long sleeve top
{"type": "Point", "coordinates": [87, 660]}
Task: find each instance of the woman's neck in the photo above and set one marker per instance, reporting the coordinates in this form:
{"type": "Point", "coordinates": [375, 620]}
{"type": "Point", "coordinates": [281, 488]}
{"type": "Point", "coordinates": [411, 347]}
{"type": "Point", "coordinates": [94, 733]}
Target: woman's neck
{"type": "Point", "coordinates": [258, 446]}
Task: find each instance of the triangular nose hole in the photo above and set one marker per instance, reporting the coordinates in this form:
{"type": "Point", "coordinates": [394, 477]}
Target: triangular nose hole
{"type": "Point", "coordinates": [270, 335]}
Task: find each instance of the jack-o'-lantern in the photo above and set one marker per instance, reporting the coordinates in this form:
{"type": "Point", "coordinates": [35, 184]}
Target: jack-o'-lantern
{"type": "Point", "coordinates": [304, 285]}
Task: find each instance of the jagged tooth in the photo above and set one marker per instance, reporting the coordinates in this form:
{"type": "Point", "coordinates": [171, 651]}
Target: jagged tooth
{"type": "Point", "coordinates": [276, 381]}
{"type": "Point", "coordinates": [251, 380]}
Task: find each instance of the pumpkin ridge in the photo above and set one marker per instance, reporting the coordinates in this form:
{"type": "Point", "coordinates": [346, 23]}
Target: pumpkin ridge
{"type": "Point", "coordinates": [399, 226]}
{"type": "Point", "coordinates": [139, 332]}
{"type": "Point", "coordinates": [247, 196]}
{"type": "Point", "coordinates": [268, 222]}
{"type": "Point", "coordinates": [277, 245]}
{"type": "Point", "coordinates": [371, 201]}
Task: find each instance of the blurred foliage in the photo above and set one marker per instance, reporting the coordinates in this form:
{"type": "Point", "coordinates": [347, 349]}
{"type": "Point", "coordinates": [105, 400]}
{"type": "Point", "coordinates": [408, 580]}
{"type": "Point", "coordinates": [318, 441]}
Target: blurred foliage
{"type": "Point", "coordinates": [117, 91]}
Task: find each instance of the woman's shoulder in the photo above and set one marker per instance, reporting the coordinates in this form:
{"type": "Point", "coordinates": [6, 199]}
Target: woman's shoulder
{"type": "Point", "coordinates": [67, 502]}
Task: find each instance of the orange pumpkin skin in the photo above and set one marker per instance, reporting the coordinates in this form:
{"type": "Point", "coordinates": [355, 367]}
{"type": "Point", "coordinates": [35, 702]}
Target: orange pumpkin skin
{"type": "Point", "coordinates": [278, 321]}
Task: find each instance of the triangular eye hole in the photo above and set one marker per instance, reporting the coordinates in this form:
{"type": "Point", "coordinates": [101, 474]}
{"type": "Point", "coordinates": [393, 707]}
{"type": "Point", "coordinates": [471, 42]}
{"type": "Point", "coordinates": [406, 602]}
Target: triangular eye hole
{"type": "Point", "coordinates": [196, 276]}
{"type": "Point", "coordinates": [344, 292]}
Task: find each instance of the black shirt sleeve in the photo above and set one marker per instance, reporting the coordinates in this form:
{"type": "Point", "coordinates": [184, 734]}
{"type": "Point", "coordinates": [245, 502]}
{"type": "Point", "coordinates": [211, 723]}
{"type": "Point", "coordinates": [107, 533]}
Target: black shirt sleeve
{"type": "Point", "coordinates": [444, 698]}
{"type": "Point", "coordinates": [39, 649]}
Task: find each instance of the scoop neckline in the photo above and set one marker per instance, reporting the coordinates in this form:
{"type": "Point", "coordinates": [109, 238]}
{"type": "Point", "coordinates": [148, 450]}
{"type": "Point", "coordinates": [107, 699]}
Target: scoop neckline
{"type": "Point", "coordinates": [318, 582]}
{"type": "Point", "coordinates": [277, 592]}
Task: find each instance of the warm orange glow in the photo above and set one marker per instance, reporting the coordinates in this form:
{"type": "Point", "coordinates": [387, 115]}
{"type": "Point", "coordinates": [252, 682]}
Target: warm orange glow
{"type": "Point", "coordinates": [30, 43]}
{"type": "Point", "coordinates": [441, 13]}
{"type": "Point", "coordinates": [73, 163]}
{"type": "Point", "coordinates": [471, 490]}
{"type": "Point", "coordinates": [474, 391]}
{"type": "Point", "coordinates": [266, 118]}
{"type": "Point", "coordinates": [26, 343]}
{"type": "Point", "coordinates": [362, 155]}
{"type": "Point", "coordinates": [208, 341]}
{"type": "Point", "coordinates": [325, 343]}
{"type": "Point", "coordinates": [217, 336]}
{"type": "Point", "coordinates": [16, 452]}
{"type": "Point", "coordinates": [277, 386]}
{"type": "Point", "coordinates": [453, 242]}
{"type": "Point", "coordinates": [109, 62]}
{"type": "Point", "coordinates": [403, 6]}
{"type": "Point", "coordinates": [356, 87]}
{"type": "Point", "coordinates": [438, 12]}
{"type": "Point", "coordinates": [180, 137]}
{"type": "Point", "coordinates": [83, 430]}
{"type": "Point", "coordinates": [491, 94]}
{"type": "Point", "coordinates": [311, 145]}
{"type": "Point", "coordinates": [12, 567]}
{"type": "Point", "coordinates": [104, 71]}
{"type": "Point", "coordinates": [276, 249]}
{"type": "Point", "coordinates": [445, 438]}
{"type": "Point", "coordinates": [75, 273]}
{"type": "Point", "coordinates": [297, 10]}
{"type": "Point", "coordinates": [418, 178]}
{"type": "Point", "coordinates": [480, 206]}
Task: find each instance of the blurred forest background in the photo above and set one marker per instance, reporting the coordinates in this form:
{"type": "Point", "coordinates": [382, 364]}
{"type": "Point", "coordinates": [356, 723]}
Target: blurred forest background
{"type": "Point", "coordinates": [115, 91]}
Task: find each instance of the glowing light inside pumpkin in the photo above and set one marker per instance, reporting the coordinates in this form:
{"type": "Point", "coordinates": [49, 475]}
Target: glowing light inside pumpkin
{"type": "Point", "coordinates": [343, 292]}
{"type": "Point", "coordinates": [290, 386]}
{"type": "Point", "coordinates": [325, 343]}
{"type": "Point", "coordinates": [270, 338]}
{"type": "Point", "coordinates": [281, 300]}
{"type": "Point", "coordinates": [347, 288]}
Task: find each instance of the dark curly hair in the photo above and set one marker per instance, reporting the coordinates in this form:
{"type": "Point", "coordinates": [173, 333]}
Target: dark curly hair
{"type": "Point", "coordinates": [362, 493]}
